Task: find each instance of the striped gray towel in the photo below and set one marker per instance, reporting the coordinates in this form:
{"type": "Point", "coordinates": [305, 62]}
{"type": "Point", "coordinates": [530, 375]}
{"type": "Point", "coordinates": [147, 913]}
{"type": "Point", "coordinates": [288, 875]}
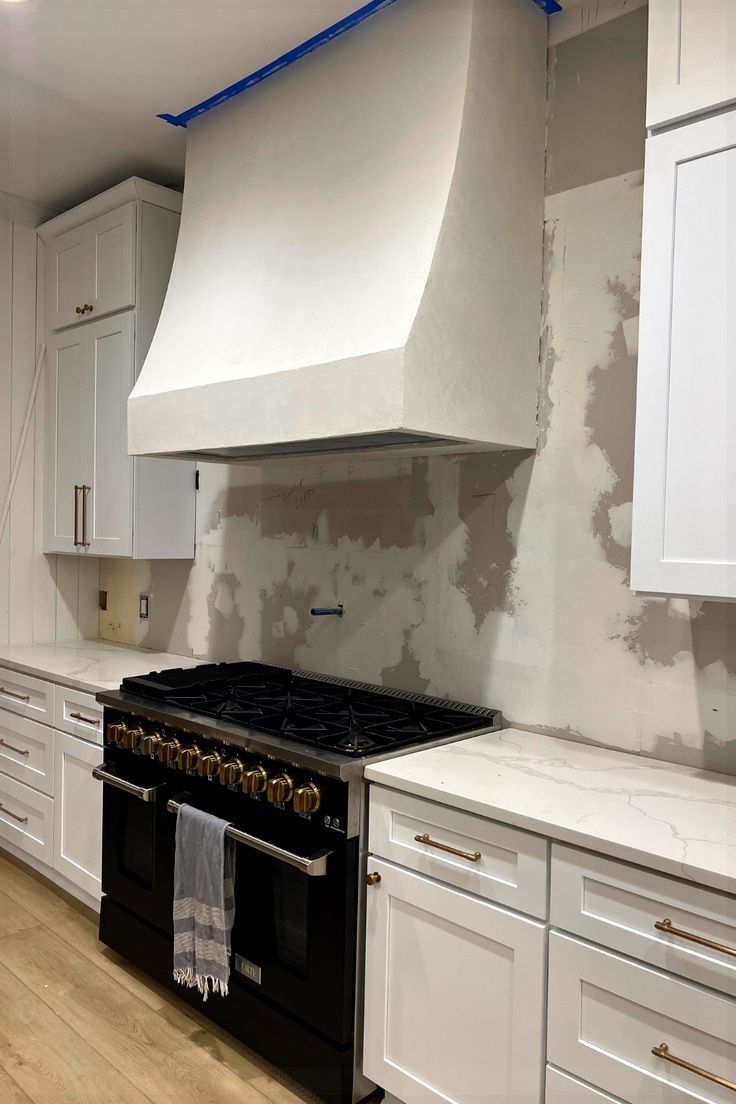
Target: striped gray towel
{"type": "Point", "coordinates": [204, 902]}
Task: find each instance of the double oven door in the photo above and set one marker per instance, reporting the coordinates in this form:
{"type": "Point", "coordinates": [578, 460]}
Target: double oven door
{"type": "Point", "coordinates": [293, 939]}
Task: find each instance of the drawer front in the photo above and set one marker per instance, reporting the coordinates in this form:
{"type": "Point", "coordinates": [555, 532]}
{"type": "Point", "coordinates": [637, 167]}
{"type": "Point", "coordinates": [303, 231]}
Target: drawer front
{"type": "Point", "coordinates": [619, 905]}
{"type": "Point", "coordinates": [78, 714]}
{"type": "Point", "coordinates": [560, 1088]}
{"type": "Point", "coordinates": [607, 1014]}
{"type": "Point", "coordinates": [27, 819]}
{"type": "Point", "coordinates": [27, 752]}
{"type": "Point", "coordinates": [479, 856]}
{"type": "Point", "coordinates": [31, 697]}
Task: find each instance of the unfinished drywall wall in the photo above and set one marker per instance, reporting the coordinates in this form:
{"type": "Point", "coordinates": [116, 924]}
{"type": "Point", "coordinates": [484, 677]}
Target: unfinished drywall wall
{"type": "Point", "coordinates": [500, 579]}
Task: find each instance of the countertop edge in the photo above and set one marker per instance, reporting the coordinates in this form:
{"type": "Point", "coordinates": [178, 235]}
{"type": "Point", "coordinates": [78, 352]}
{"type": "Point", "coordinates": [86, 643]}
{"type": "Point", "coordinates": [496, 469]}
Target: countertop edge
{"type": "Point", "coordinates": [557, 833]}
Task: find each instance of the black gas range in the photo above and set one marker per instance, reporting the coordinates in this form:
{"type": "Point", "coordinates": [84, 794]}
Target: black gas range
{"type": "Point", "coordinates": [280, 754]}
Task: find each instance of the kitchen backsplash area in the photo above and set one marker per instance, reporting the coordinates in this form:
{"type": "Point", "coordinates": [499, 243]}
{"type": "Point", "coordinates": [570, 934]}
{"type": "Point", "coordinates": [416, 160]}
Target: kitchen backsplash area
{"type": "Point", "coordinates": [500, 578]}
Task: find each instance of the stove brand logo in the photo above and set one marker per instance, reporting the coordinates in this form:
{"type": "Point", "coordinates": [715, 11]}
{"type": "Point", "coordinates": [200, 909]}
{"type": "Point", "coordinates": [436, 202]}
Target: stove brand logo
{"type": "Point", "coordinates": [248, 969]}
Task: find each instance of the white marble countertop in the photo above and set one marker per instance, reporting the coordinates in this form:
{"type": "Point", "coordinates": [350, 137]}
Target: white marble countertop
{"type": "Point", "coordinates": [89, 665]}
{"type": "Point", "coordinates": [675, 819]}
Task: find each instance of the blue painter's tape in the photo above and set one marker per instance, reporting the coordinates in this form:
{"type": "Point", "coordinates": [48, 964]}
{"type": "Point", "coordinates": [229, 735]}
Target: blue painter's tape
{"type": "Point", "coordinates": [549, 7]}
{"type": "Point", "coordinates": [282, 62]}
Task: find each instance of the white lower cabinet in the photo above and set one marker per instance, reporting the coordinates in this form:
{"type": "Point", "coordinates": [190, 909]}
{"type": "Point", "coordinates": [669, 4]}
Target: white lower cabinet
{"type": "Point", "coordinates": [643, 1036]}
{"type": "Point", "coordinates": [77, 813]}
{"type": "Point", "coordinates": [454, 1000]}
{"type": "Point", "coordinates": [560, 1088]}
{"type": "Point", "coordinates": [26, 819]}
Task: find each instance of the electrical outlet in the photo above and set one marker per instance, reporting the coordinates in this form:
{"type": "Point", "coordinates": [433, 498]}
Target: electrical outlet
{"type": "Point", "coordinates": [144, 605]}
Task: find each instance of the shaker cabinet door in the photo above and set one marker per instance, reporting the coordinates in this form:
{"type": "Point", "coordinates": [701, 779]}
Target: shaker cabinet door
{"type": "Point", "coordinates": [454, 994]}
{"type": "Point", "coordinates": [69, 435]}
{"type": "Point", "coordinates": [692, 58]}
{"type": "Point", "coordinates": [77, 813]}
{"type": "Point", "coordinates": [684, 517]}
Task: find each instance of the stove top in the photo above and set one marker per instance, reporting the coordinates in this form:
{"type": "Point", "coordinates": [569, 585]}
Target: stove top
{"type": "Point", "coordinates": [350, 719]}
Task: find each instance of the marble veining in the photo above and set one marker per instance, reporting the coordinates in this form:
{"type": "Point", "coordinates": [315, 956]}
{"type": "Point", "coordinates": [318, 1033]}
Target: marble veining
{"type": "Point", "coordinates": [89, 665]}
{"type": "Point", "coordinates": [676, 819]}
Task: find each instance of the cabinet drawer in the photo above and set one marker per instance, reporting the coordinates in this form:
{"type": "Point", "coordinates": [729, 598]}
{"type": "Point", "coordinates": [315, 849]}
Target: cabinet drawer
{"type": "Point", "coordinates": [606, 1014]}
{"type": "Point", "coordinates": [511, 867]}
{"type": "Point", "coordinates": [560, 1088]}
{"type": "Point", "coordinates": [618, 905]}
{"type": "Point", "coordinates": [31, 697]}
{"type": "Point", "coordinates": [27, 751]}
{"type": "Point", "coordinates": [27, 819]}
{"type": "Point", "coordinates": [78, 714]}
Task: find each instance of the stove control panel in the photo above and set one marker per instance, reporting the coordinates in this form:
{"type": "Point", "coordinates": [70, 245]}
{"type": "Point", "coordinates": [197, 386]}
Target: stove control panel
{"type": "Point", "coordinates": [284, 786]}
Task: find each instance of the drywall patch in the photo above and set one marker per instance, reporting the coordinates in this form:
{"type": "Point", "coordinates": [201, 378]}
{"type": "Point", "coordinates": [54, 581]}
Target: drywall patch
{"type": "Point", "coordinates": [483, 506]}
{"type": "Point", "coordinates": [712, 754]}
{"type": "Point", "coordinates": [225, 620]}
{"type": "Point", "coordinates": [406, 674]}
{"type": "Point", "coordinates": [547, 355]}
{"type": "Point", "coordinates": [285, 620]}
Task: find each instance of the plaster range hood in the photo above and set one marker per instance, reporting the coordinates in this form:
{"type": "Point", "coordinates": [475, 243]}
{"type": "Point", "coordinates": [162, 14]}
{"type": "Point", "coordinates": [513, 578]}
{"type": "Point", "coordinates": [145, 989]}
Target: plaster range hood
{"type": "Point", "coordinates": [360, 253]}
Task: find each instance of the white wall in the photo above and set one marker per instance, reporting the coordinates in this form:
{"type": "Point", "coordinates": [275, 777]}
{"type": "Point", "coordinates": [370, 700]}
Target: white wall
{"type": "Point", "coordinates": [42, 598]}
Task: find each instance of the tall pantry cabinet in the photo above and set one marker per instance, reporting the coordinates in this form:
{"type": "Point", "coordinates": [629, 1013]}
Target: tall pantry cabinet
{"type": "Point", "coordinates": [684, 516]}
{"type": "Point", "coordinates": [107, 265]}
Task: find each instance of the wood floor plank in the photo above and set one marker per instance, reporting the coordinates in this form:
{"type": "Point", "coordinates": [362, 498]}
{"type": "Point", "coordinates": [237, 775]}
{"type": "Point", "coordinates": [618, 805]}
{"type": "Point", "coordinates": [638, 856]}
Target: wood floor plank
{"type": "Point", "coordinates": [71, 924]}
{"type": "Point", "coordinates": [10, 1090]}
{"type": "Point", "coordinates": [153, 1054]}
{"type": "Point", "coordinates": [46, 1058]}
{"type": "Point", "coordinates": [13, 917]}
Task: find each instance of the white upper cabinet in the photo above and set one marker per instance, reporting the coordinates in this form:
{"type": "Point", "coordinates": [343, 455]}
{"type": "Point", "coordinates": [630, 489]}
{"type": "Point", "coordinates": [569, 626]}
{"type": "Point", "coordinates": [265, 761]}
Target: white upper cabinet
{"type": "Point", "coordinates": [90, 271]}
{"type": "Point", "coordinates": [692, 58]}
{"type": "Point", "coordinates": [684, 520]}
{"type": "Point", "coordinates": [107, 268]}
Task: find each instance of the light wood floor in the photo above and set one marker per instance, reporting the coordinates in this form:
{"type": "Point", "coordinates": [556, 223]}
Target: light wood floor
{"type": "Point", "coordinates": [78, 1025]}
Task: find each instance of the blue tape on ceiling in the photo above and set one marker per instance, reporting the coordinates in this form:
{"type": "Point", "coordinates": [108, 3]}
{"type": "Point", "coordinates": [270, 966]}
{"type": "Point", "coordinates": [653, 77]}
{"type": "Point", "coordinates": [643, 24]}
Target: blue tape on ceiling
{"type": "Point", "coordinates": [282, 62]}
{"type": "Point", "coordinates": [549, 7]}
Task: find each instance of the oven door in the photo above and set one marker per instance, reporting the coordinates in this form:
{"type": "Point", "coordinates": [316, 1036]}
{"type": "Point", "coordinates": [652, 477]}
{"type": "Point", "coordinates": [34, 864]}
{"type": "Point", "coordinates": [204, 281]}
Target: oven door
{"type": "Point", "coordinates": [293, 938]}
{"type": "Point", "coordinates": [137, 838]}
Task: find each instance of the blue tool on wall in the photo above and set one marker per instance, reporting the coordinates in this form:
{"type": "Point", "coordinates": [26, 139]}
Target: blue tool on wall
{"type": "Point", "coordinates": [308, 47]}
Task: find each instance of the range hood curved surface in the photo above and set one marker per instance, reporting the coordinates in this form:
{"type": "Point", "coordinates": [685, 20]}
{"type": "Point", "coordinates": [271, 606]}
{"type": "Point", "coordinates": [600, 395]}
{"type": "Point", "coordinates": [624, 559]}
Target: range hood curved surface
{"type": "Point", "coordinates": [359, 259]}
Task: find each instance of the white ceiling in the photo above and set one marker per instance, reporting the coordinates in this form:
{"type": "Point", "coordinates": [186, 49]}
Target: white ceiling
{"type": "Point", "coordinates": [81, 82]}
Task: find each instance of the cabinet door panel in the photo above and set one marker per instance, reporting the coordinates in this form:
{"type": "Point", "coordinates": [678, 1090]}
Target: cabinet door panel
{"type": "Point", "coordinates": [112, 260]}
{"type": "Point", "coordinates": [68, 441]}
{"type": "Point", "coordinates": [109, 506]}
{"type": "Point", "coordinates": [67, 277]}
{"type": "Point", "coordinates": [692, 58]}
{"type": "Point", "coordinates": [684, 527]}
{"type": "Point", "coordinates": [77, 813]}
{"type": "Point", "coordinates": [454, 994]}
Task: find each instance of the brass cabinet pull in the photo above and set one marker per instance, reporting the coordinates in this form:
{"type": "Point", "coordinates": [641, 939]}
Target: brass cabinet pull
{"type": "Point", "coordinates": [84, 543]}
{"type": "Point", "coordinates": [87, 720]}
{"type": "Point", "coordinates": [663, 1051]}
{"type": "Point", "coordinates": [83, 310]}
{"type": "Point", "coordinates": [471, 856]}
{"type": "Point", "coordinates": [18, 751]}
{"type": "Point", "coordinates": [11, 694]}
{"type": "Point", "coordinates": [372, 879]}
{"type": "Point", "coordinates": [666, 926]}
{"type": "Point", "coordinates": [77, 489]}
{"type": "Point", "coordinates": [21, 820]}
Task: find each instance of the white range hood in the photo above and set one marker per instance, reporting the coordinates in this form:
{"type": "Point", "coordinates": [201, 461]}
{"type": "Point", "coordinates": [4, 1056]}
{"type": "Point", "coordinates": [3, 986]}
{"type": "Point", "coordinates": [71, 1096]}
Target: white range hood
{"type": "Point", "coordinates": [360, 254]}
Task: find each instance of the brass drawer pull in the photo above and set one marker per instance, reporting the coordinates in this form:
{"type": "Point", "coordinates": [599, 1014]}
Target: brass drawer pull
{"type": "Point", "coordinates": [87, 720]}
{"type": "Point", "coordinates": [84, 543]}
{"type": "Point", "coordinates": [471, 856]}
{"type": "Point", "coordinates": [18, 751]}
{"type": "Point", "coordinates": [21, 820]}
{"type": "Point", "coordinates": [666, 926]}
{"type": "Point", "coordinates": [11, 694]}
{"type": "Point", "coordinates": [663, 1051]}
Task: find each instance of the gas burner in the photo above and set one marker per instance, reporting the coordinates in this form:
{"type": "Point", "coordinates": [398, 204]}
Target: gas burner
{"type": "Point", "coordinates": [345, 718]}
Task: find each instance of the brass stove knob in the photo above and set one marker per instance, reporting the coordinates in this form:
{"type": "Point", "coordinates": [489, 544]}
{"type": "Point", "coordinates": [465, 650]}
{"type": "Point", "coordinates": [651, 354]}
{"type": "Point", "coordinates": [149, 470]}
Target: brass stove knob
{"type": "Point", "coordinates": [231, 772]}
{"type": "Point", "coordinates": [209, 764]}
{"type": "Point", "coordinates": [307, 798]}
{"type": "Point", "coordinates": [280, 788]}
{"type": "Point", "coordinates": [131, 738]}
{"type": "Point", "coordinates": [187, 757]}
{"type": "Point", "coordinates": [255, 780]}
{"type": "Point", "coordinates": [115, 733]}
{"type": "Point", "coordinates": [150, 743]}
{"type": "Point", "coordinates": [167, 750]}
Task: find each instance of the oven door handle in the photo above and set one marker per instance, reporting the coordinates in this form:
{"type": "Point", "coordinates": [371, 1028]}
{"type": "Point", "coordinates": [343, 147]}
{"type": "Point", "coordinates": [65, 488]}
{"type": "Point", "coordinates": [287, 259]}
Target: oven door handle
{"type": "Point", "coordinates": [105, 773]}
{"type": "Point", "coordinates": [313, 865]}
